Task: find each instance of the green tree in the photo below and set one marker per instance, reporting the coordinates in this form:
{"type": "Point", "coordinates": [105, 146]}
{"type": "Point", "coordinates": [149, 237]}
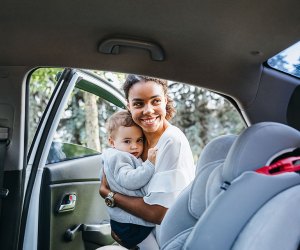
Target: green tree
{"type": "Point", "coordinates": [203, 115]}
{"type": "Point", "coordinates": [41, 86]}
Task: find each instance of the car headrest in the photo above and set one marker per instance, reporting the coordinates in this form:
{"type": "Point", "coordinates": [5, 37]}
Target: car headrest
{"type": "Point", "coordinates": [216, 150]}
{"type": "Point", "coordinates": [257, 145]}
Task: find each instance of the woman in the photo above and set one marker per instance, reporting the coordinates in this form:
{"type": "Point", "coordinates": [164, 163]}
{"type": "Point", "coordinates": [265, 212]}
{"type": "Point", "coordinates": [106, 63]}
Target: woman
{"type": "Point", "coordinates": [151, 108]}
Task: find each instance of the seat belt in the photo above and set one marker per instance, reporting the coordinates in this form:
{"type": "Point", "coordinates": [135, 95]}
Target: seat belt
{"type": "Point", "coordinates": [3, 146]}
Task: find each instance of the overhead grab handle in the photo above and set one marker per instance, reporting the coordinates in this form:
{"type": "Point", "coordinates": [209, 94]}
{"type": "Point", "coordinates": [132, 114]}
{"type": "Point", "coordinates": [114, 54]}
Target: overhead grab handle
{"type": "Point", "coordinates": [112, 46]}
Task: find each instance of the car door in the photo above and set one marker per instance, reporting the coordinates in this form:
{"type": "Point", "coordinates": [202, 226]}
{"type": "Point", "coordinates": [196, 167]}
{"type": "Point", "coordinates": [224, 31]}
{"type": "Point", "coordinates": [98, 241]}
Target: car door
{"type": "Point", "coordinates": [62, 206]}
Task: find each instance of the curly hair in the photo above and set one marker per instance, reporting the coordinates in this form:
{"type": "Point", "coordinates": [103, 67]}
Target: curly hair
{"type": "Point", "coordinates": [133, 79]}
{"type": "Point", "coordinates": [118, 119]}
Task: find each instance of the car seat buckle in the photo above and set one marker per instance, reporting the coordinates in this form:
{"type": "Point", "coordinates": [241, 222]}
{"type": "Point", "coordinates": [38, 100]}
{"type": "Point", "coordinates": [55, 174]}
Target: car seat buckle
{"type": "Point", "coordinates": [290, 164]}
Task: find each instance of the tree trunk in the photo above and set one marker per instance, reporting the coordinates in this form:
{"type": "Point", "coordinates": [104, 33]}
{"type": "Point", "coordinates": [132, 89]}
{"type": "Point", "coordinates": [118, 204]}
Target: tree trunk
{"type": "Point", "coordinates": [91, 121]}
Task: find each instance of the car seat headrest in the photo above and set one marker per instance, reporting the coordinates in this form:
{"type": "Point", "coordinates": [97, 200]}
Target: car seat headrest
{"type": "Point", "coordinates": [257, 145]}
{"type": "Point", "coordinates": [216, 150]}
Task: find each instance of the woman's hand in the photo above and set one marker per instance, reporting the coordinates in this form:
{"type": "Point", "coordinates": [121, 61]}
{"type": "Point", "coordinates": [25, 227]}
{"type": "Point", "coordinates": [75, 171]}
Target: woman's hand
{"type": "Point", "coordinates": [134, 205]}
{"type": "Point", "coordinates": [152, 155]}
{"type": "Point", "coordinates": [104, 187]}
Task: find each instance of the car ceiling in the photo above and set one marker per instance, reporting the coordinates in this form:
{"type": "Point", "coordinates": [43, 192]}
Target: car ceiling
{"type": "Point", "coordinates": [216, 44]}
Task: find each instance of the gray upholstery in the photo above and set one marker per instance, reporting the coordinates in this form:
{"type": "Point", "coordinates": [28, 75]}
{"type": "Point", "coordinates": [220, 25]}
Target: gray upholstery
{"type": "Point", "coordinates": [212, 156]}
{"type": "Point", "coordinates": [236, 218]}
{"type": "Point", "coordinates": [214, 183]}
{"type": "Point", "coordinates": [221, 225]}
{"type": "Point", "coordinates": [177, 219]}
{"type": "Point", "coordinates": [216, 150]}
{"type": "Point", "coordinates": [275, 226]}
{"type": "Point", "coordinates": [191, 203]}
{"type": "Point", "coordinates": [225, 218]}
{"type": "Point", "coordinates": [257, 145]}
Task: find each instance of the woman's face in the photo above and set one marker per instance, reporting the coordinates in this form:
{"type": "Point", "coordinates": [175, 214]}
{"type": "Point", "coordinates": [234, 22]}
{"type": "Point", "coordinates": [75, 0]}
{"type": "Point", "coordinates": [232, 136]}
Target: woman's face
{"type": "Point", "coordinates": [147, 104]}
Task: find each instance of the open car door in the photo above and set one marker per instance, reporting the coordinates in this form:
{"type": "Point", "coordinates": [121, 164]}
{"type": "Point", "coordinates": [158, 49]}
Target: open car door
{"type": "Point", "coordinates": [62, 206]}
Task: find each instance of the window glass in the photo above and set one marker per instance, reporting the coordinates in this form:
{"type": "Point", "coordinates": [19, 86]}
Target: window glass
{"type": "Point", "coordinates": [66, 151]}
{"type": "Point", "coordinates": [81, 130]}
{"type": "Point", "coordinates": [41, 85]}
{"type": "Point", "coordinates": [83, 121]}
{"type": "Point", "coordinates": [201, 115]}
{"type": "Point", "coordinates": [288, 60]}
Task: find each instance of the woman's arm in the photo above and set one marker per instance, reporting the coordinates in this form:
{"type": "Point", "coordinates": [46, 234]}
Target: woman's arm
{"type": "Point", "coordinates": [135, 205]}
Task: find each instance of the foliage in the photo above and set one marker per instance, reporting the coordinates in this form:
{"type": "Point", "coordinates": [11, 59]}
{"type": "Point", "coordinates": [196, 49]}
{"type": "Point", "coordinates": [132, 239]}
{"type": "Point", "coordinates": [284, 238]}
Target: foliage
{"type": "Point", "coordinates": [201, 114]}
{"type": "Point", "coordinates": [42, 84]}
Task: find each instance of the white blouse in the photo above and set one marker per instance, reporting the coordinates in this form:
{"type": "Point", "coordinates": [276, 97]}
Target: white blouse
{"type": "Point", "coordinates": [174, 168]}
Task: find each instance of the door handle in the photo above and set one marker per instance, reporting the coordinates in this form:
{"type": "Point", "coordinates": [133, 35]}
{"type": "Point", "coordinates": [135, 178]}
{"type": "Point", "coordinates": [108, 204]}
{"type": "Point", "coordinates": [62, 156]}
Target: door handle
{"type": "Point", "coordinates": [68, 203]}
{"type": "Point", "coordinates": [112, 46]}
{"type": "Point", "coordinates": [70, 234]}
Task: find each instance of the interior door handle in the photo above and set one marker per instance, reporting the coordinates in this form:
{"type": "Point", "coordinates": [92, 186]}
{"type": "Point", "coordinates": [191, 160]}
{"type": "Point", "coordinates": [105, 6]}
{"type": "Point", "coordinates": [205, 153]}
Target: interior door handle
{"type": "Point", "coordinates": [68, 203]}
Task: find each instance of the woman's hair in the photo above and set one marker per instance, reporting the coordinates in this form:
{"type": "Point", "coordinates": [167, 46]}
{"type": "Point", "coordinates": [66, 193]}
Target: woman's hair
{"type": "Point", "coordinates": [119, 119]}
{"type": "Point", "coordinates": [133, 79]}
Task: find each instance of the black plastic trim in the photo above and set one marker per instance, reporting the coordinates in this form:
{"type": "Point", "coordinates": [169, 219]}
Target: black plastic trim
{"type": "Point", "coordinates": [11, 210]}
{"type": "Point", "coordinates": [265, 64]}
{"type": "Point", "coordinates": [293, 109]}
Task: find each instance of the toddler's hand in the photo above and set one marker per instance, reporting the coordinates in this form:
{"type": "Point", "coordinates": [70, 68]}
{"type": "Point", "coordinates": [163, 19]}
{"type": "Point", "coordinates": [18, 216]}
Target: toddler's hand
{"type": "Point", "coordinates": [152, 155]}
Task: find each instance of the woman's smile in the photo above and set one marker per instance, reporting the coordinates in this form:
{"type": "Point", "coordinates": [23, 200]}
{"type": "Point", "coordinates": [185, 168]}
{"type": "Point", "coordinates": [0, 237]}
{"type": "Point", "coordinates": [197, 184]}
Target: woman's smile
{"type": "Point", "coordinates": [149, 121]}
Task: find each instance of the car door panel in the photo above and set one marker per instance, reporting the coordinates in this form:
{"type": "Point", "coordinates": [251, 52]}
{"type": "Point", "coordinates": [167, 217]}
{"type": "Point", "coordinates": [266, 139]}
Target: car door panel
{"type": "Point", "coordinates": [79, 177]}
{"type": "Point", "coordinates": [61, 170]}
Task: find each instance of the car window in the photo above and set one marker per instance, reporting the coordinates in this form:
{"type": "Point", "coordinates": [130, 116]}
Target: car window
{"type": "Point", "coordinates": [201, 114]}
{"type": "Point", "coordinates": [42, 82]}
{"type": "Point", "coordinates": [288, 60]}
{"type": "Point", "coordinates": [81, 130]}
{"type": "Point", "coordinates": [62, 151]}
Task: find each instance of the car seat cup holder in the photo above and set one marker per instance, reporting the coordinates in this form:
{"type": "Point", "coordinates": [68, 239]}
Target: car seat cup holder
{"type": "Point", "coordinates": [290, 164]}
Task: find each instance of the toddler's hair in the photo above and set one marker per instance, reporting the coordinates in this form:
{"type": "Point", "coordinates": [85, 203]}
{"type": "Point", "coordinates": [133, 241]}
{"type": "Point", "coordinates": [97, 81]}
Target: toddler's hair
{"type": "Point", "coordinates": [118, 119]}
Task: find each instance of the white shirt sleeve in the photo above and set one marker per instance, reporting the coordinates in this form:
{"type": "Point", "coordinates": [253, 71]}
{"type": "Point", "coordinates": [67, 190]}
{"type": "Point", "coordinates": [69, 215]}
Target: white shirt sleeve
{"type": "Point", "coordinates": [174, 168]}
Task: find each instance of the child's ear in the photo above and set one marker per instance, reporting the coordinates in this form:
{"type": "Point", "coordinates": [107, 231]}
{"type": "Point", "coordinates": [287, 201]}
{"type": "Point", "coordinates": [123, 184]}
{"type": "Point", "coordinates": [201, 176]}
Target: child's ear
{"type": "Point", "coordinates": [111, 142]}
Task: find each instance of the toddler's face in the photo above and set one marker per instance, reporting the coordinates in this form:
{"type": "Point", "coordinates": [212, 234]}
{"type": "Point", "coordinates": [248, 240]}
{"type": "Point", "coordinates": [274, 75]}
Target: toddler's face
{"type": "Point", "coordinates": [128, 139]}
